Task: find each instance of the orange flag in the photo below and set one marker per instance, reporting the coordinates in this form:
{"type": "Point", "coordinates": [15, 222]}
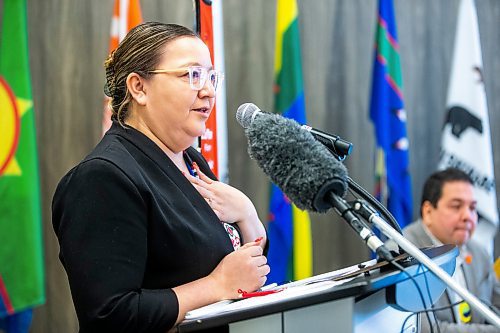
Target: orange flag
{"type": "Point", "coordinates": [126, 15]}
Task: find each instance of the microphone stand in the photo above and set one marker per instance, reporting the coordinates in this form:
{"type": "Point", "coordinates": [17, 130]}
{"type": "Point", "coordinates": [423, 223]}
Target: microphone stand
{"type": "Point", "coordinates": [372, 216]}
{"type": "Point", "coordinates": [344, 209]}
{"type": "Point", "coordinates": [356, 188]}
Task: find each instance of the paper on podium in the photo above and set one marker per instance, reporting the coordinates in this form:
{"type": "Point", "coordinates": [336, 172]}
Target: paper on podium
{"type": "Point", "coordinates": [289, 291]}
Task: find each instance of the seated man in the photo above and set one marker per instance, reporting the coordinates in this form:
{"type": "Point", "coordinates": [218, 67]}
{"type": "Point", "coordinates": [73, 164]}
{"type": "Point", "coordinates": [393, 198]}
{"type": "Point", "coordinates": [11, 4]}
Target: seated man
{"type": "Point", "coordinates": [448, 216]}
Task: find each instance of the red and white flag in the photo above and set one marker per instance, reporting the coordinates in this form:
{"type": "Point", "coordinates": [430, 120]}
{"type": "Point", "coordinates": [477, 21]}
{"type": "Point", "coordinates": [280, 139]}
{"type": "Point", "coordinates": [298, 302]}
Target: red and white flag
{"type": "Point", "coordinates": [213, 143]}
{"type": "Point", "coordinates": [126, 15]}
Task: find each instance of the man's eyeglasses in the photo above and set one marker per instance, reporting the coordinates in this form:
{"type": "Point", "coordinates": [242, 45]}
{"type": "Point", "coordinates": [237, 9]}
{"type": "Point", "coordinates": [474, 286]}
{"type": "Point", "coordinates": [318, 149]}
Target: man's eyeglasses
{"type": "Point", "coordinates": [198, 76]}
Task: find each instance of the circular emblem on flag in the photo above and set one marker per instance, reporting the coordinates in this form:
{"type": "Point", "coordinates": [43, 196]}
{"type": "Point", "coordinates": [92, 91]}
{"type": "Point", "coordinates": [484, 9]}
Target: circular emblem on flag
{"type": "Point", "coordinates": [9, 125]}
{"type": "Point", "coordinates": [464, 312]}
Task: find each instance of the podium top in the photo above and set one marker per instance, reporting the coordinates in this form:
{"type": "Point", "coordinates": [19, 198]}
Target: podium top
{"type": "Point", "coordinates": [382, 274]}
{"type": "Point", "coordinates": [355, 281]}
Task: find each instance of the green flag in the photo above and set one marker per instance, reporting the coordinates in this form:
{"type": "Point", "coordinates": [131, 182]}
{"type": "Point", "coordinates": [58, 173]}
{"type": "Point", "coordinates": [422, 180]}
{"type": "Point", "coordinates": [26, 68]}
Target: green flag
{"type": "Point", "coordinates": [21, 258]}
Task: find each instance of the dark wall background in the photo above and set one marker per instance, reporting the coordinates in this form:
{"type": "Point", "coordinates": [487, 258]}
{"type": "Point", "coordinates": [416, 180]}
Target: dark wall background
{"type": "Point", "coordinates": [69, 40]}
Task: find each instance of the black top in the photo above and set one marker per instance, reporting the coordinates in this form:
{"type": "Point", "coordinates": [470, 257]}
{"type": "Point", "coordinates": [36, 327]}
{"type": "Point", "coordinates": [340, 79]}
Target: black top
{"type": "Point", "coordinates": [130, 227]}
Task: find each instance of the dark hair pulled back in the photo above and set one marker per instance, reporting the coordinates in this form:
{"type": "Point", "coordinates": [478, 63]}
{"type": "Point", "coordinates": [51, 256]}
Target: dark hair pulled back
{"type": "Point", "coordinates": [139, 52]}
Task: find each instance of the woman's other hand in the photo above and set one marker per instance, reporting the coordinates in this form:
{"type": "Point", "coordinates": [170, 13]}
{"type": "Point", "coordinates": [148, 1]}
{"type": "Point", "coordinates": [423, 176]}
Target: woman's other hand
{"type": "Point", "coordinates": [230, 205]}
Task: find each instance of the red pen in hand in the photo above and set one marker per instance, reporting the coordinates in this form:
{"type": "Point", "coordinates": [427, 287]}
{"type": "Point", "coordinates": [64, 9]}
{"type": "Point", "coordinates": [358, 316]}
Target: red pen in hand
{"type": "Point", "coordinates": [245, 294]}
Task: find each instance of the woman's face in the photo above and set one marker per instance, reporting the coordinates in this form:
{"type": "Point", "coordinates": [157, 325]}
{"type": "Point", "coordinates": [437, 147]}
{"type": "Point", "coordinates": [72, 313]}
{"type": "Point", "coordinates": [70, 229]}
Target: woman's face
{"type": "Point", "coordinates": [174, 112]}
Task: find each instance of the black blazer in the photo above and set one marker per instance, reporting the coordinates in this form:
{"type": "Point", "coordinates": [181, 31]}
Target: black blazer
{"type": "Point", "coordinates": [130, 227]}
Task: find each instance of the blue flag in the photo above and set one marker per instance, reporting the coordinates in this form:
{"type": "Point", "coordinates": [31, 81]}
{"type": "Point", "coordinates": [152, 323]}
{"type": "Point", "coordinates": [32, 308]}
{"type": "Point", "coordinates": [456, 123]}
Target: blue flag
{"type": "Point", "coordinates": [389, 118]}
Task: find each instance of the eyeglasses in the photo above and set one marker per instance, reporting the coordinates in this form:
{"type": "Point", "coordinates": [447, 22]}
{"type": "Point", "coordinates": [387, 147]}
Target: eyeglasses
{"type": "Point", "coordinates": [198, 76]}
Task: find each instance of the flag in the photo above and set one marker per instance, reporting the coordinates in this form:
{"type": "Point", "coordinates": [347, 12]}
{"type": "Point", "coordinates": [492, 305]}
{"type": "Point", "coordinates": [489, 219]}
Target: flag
{"type": "Point", "coordinates": [290, 251]}
{"type": "Point", "coordinates": [388, 115]}
{"type": "Point", "coordinates": [466, 138]}
{"type": "Point", "coordinates": [213, 143]}
{"type": "Point", "coordinates": [21, 258]}
{"type": "Point", "coordinates": [126, 15]}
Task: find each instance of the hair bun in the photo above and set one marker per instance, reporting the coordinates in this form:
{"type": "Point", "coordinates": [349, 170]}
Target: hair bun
{"type": "Point", "coordinates": [106, 90]}
{"type": "Point", "coordinates": [109, 86]}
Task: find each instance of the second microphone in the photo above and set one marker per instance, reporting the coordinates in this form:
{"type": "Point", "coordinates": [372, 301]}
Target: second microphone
{"type": "Point", "coordinates": [340, 148]}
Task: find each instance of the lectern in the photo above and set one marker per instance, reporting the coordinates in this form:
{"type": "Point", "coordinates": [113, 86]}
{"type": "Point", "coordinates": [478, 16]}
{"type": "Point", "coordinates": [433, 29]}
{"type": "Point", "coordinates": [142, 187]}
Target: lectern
{"type": "Point", "coordinates": [375, 298]}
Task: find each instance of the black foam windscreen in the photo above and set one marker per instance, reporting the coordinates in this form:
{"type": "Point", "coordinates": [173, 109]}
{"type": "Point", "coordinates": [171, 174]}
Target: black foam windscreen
{"type": "Point", "coordinates": [299, 165]}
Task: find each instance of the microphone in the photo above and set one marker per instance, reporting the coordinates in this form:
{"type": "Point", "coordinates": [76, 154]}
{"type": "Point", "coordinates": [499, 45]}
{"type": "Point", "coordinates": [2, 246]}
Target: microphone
{"type": "Point", "coordinates": [298, 164]}
{"type": "Point", "coordinates": [337, 146]}
{"type": "Point", "coordinates": [301, 167]}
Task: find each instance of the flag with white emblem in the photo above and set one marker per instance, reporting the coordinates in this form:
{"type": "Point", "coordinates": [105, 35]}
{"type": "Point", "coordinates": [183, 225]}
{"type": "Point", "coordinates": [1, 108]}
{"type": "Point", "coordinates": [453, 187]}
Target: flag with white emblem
{"type": "Point", "coordinates": [466, 140]}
